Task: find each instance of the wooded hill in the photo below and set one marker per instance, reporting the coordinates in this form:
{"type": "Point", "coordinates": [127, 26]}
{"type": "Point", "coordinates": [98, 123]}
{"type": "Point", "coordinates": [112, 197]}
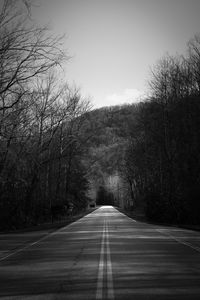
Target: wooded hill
{"type": "Point", "coordinates": [154, 146]}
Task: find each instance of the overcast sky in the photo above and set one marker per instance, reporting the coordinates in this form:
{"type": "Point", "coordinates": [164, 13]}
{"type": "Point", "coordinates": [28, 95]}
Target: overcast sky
{"type": "Point", "coordinates": [113, 43]}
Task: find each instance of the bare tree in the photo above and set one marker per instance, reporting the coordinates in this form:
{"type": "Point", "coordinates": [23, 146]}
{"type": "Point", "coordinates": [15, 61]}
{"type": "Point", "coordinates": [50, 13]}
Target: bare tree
{"type": "Point", "coordinates": [26, 52]}
{"type": "Point", "coordinates": [193, 60]}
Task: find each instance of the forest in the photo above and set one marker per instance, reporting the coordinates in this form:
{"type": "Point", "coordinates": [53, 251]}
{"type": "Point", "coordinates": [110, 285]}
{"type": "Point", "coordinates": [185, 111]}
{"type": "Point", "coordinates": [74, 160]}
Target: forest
{"type": "Point", "coordinates": [40, 125]}
{"type": "Point", "coordinates": [57, 153]}
{"type": "Point", "coordinates": [154, 146]}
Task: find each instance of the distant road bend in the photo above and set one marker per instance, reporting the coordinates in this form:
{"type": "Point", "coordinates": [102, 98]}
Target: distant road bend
{"type": "Point", "coordinates": [105, 255]}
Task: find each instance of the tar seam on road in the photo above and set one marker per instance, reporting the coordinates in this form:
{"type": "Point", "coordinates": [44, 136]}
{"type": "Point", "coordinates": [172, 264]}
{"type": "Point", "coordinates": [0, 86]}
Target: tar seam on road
{"type": "Point", "coordinates": [179, 241]}
{"type": "Point", "coordinates": [105, 268]}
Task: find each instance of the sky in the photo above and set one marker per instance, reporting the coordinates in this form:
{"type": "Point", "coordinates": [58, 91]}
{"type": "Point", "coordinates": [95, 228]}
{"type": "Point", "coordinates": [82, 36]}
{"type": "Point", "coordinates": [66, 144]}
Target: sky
{"type": "Point", "coordinates": [114, 43]}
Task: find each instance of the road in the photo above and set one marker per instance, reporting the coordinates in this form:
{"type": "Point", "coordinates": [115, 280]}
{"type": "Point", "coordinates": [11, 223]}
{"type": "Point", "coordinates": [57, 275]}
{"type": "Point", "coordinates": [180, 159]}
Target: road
{"type": "Point", "coordinates": [105, 255]}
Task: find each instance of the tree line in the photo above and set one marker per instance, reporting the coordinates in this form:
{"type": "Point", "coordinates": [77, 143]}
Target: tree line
{"type": "Point", "coordinates": [41, 121]}
{"type": "Point", "coordinates": [162, 160]}
{"type": "Point", "coordinates": [154, 146]}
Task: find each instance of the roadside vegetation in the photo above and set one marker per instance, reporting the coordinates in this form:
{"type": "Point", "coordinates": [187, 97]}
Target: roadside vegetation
{"type": "Point", "coordinates": [40, 125]}
{"type": "Point", "coordinates": [163, 156]}
{"type": "Point", "coordinates": [148, 154]}
{"type": "Point", "coordinates": [56, 153]}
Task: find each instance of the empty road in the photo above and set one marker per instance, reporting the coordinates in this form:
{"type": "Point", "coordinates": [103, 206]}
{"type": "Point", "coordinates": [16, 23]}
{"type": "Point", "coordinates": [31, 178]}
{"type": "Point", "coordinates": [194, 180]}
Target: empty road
{"type": "Point", "coordinates": [105, 255]}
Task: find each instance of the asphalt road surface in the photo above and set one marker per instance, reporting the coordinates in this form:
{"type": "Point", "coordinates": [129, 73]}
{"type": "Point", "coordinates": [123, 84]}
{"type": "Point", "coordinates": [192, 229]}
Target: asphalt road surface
{"type": "Point", "coordinates": [105, 255]}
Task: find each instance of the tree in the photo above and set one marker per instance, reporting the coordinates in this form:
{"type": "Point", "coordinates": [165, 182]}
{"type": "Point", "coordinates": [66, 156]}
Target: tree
{"type": "Point", "coordinates": [26, 53]}
{"type": "Point", "coordinates": [40, 123]}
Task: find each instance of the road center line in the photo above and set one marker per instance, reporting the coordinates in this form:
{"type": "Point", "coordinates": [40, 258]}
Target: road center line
{"type": "Point", "coordinates": [105, 267]}
{"type": "Point", "coordinates": [99, 293]}
{"type": "Point", "coordinates": [109, 269]}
